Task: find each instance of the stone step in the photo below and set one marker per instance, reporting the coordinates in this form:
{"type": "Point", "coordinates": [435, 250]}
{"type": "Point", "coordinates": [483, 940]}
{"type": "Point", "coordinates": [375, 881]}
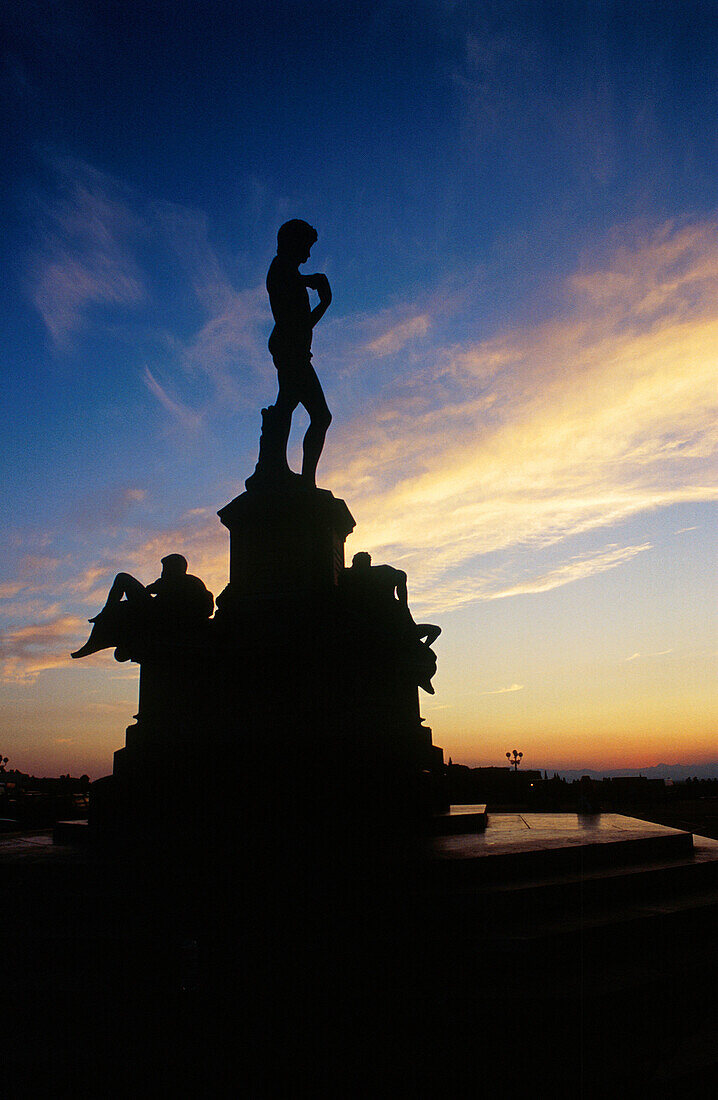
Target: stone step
{"type": "Point", "coordinates": [657, 918]}
{"type": "Point", "coordinates": [591, 889]}
{"type": "Point", "coordinates": [536, 846]}
{"type": "Point", "coordinates": [460, 820]}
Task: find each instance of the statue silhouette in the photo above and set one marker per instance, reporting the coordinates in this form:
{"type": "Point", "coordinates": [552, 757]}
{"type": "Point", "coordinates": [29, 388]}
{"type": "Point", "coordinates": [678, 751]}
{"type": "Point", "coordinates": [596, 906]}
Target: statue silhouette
{"type": "Point", "coordinates": [378, 596]}
{"type": "Point", "coordinates": [175, 602]}
{"type": "Point", "coordinates": [304, 685]}
{"type": "Point", "coordinates": [290, 345]}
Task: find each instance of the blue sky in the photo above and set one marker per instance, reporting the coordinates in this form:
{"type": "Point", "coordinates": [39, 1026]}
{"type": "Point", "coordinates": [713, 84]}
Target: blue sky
{"type": "Point", "coordinates": [517, 210]}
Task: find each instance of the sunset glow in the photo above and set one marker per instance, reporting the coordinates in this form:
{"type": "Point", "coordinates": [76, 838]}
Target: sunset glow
{"type": "Point", "coordinates": [516, 208]}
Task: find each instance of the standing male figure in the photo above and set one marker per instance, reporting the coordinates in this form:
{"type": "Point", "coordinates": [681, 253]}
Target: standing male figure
{"type": "Point", "coordinates": [290, 343]}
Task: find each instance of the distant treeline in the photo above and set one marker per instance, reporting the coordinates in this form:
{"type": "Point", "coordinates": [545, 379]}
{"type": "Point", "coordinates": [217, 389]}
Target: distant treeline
{"type": "Point", "coordinates": [676, 772]}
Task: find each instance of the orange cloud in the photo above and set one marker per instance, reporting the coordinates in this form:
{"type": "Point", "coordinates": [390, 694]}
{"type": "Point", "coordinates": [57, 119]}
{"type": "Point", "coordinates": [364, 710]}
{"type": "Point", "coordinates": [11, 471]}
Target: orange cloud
{"type": "Point", "coordinates": [31, 649]}
{"type": "Point", "coordinates": [513, 444]}
{"type": "Point", "coordinates": [26, 650]}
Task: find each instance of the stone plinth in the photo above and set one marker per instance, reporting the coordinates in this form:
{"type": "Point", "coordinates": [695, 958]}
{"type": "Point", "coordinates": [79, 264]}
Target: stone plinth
{"type": "Point", "coordinates": [294, 704]}
{"type": "Point", "coordinates": [285, 541]}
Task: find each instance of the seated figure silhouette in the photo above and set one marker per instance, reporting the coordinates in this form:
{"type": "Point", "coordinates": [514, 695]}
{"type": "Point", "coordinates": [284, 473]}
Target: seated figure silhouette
{"type": "Point", "coordinates": [378, 593]}
{"type": "Point", "coordinates": [290, 345]}
{"type": "Point", "coordinates": [176, 602]}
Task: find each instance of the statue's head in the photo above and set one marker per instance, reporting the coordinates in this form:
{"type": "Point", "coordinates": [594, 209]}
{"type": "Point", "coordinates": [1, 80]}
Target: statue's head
{"type": "Point", "coordinates": [174, 565]}
{"type": "Point", "coordinates": [295, 239]}
{"type": "Point", "coordinates": [361, 561]}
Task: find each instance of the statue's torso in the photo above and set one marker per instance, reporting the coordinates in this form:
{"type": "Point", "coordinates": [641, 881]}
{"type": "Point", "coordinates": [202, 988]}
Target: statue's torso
{"type": "Point", "coordinates": [291, 336]}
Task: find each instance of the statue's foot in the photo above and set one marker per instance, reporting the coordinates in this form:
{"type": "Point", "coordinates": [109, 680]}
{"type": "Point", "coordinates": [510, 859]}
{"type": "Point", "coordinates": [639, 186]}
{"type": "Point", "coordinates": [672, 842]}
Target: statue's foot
{"type": "Point", "coordinates": [88, 648]}
{"type": "Point", "coordinates": [278, 478]}
{"type": "Point", "coordinates": [98, 640]}
{"type": "Point", "coordinates": [427, 687]}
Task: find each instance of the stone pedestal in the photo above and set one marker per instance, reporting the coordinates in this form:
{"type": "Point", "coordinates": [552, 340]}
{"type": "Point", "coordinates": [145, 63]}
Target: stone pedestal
{"type": "Point", "coordinates": [285, 543]}
{"type": "Point", "coordinates": [291, 712]}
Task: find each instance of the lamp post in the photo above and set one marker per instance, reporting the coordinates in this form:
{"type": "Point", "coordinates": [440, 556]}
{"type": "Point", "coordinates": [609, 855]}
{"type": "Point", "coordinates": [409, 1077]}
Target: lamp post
{"type": "Point", "coordinates": [515, 760]}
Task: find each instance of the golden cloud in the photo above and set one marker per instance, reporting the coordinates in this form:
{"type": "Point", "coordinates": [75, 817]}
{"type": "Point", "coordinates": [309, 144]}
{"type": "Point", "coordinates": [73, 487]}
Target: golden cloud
{"type": "Point", "coordinates": [553, 429]}
{"type": "Point", "coordinates": [511, 444]}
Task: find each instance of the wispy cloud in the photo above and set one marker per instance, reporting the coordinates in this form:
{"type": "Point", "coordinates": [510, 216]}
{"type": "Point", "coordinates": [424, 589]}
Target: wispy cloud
{"type": "Point", "coordinates": [547, 431]}
{"type": "Point", "coordinates": [231, 347]}
{"type": "Point", "coordinates": [46, 641]}
{"type": "Point", "coordinates": [399, 334]}
{"type": "Point", "coordinates": [576, 570]}
{"type": "Point", "coordinates": [84, 257]}
{"type": "Point", "coordinates": [198, 535]}
{"type": "Point", "coordinates": [109, 507]}
{"type": "Point", "coordinates": [10, 589]}
{"type": "Point", "coordinates": [658, 653]}
{"type": "Point", "coordinates": [510, 89]}
{"type": "Point", "coordinates": [229, 350]}
{"type": "Point", "coordinates": [34, 565]}
{"type": "Point", "coordinates": [445, 593]}
{"type": "Point", "coordinates": [503, 691]}
{"type": "Point", "coordinates": [89, 256]}
{"type": "Point", "coordinates": [514, 443]}
{"type": "Point", "coordinates": [29, 650]}
{"type": "Point", "coordinates": [185, 416]}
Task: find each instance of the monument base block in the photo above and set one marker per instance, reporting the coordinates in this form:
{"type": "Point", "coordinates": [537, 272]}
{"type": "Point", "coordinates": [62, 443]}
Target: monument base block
{"type": "Point", "coordinates": [295, 707]}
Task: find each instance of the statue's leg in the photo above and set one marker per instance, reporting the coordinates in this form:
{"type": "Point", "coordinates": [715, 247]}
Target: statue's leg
{"type": "Point", "coordinates": [102, 636]}
{"type": "Point", "coordinates": [314, 401]}
{"type": "Point", "coordinates": [428, 633]}
{"type": "Point", "coordinates": [284, 406]}
{"type": "Point", "coordinates": [107, 623]}
{"type": "Point", "coordinates": [126, 585]}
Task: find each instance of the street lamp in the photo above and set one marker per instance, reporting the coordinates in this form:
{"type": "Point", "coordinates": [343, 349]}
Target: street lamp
{"type": "Point", "coordinates": [515, 761]}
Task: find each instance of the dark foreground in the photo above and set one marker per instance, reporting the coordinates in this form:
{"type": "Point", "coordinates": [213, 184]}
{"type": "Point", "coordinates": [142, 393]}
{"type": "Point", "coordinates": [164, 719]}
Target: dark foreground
{"type": "Point", "coordinates": [552, 954]}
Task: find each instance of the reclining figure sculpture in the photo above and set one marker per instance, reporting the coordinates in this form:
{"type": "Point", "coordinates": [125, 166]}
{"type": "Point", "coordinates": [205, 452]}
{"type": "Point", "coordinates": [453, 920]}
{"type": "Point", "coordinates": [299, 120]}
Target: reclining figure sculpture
{"type": "Point", "coordinates": [377, 599]}
{"type": "Point", "coordinates": [175, 603]}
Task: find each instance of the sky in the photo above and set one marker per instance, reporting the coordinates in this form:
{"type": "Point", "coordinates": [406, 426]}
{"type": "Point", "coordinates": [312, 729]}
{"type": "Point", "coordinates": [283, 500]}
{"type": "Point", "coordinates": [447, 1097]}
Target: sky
{"type": "Point", "coordinates": [517, 210]}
